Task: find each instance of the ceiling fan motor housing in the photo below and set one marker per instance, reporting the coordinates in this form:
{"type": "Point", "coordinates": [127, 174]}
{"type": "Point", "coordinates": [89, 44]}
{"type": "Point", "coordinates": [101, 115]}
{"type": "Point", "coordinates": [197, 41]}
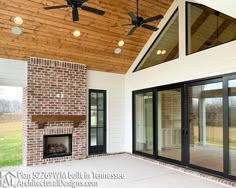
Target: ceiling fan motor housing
{"type": "Point", "coordinates": [138, 22]}
{"type": "Point", "coordinates": [75, 3]}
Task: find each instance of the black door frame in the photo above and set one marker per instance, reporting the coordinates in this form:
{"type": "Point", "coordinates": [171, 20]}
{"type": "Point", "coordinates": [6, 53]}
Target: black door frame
{"type": "Point", "coordinates": [187, 162]}
{"type": "Point", "coordinates": [133, 122]}
{"type": "Point", "coordinates": [224, 78]}
{"type": "Point", "coordinates": [100, 148]}
{"type": "Point", "coordinates": [165, 88]}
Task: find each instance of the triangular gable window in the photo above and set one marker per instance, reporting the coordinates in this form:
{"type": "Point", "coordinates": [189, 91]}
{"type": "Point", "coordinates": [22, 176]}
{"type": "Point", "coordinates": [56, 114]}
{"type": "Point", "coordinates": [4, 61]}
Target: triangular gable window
{"type": "Point", "coordinates": [207, 28]}
{"type": "Point", "coordinates": [165, 47]}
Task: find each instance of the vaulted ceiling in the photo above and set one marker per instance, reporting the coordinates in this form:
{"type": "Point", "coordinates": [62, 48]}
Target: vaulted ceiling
{"type": "Point", "coordinates": [48, 33]}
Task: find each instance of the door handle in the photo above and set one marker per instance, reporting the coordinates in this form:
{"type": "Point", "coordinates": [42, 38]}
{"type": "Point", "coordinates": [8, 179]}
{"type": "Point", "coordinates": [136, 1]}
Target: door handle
{"type": "Point", "coordinates": [185, 131]}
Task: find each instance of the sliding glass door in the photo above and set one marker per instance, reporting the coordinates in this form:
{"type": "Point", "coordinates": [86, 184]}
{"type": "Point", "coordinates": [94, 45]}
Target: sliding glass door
{"type": "Point", "coordinates": [231, 133]}
{"type": "Point", "coordinates": [143, 123]}
{"type": "Point", "coordinates": [205, 117]}
{"type": "Point", "coordinates": [169, 109]}
{"type": "Point", "coordinates": [192, 123]}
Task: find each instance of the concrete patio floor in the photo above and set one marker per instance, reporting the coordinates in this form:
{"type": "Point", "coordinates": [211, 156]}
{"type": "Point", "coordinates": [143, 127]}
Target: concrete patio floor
{"type": "Point", "coordinates": [138, 173]}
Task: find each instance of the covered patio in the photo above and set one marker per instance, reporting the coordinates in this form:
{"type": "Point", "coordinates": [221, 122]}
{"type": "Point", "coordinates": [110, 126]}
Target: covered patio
{"type": "Point", "coordinates": [136, 171]}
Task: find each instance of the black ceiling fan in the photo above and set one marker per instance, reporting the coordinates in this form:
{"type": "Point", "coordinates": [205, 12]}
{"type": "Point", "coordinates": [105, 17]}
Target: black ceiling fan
{"type": "Point", "coordinates": [138, 21]}
{"type": "Point", "coordinates": [75, 4]}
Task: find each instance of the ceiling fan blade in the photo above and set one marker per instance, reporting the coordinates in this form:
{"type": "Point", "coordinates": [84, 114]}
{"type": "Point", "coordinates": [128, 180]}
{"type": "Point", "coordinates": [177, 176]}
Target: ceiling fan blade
{"type": "Point", "coordinates": [153, 19]}
{"type": "Point", "coordinates": [93, 10]}
{"type": "Point", "coordinates": [121, 25]}
{"type": "Point", "coordinates": [146, 26]}
{"type": "Point", "coordinates": [126, 24]}
{"type": "Point", "coordinates": [132, 16]}
{"type": "Point", "coordinates": [75, 14]}
{"type": "Point", "coordinates": [83, 1]}
{"type": "Point", "coordinates": [132, 31]}
{"type": "Point", "coordinates": [55, 7]}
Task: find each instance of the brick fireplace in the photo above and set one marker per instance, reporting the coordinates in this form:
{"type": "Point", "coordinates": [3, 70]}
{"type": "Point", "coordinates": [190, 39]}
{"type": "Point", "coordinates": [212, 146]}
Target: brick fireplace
{"type": "Point", "coordinates": [56, 90]}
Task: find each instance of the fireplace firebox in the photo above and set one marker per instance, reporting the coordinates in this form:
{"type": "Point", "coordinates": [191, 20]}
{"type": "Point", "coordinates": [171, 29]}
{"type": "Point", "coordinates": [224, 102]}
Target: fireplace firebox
{"type": "Point", "coordinates": [57, 145]}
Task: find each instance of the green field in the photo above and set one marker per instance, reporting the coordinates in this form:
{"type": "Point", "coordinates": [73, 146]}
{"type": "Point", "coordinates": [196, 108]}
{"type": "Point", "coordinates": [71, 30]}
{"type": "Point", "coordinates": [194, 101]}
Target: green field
{"type": "Point", "coordinates": [10, 144]}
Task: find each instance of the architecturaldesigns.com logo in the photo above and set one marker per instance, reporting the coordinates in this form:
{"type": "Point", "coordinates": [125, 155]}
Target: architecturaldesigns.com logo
{"type": "Point", "coordinates": [8, 179]}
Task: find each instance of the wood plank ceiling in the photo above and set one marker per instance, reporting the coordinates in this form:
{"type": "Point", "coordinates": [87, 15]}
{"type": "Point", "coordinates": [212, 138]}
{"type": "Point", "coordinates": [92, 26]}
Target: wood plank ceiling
{"type": "Point", "coordinates": [48, 33]}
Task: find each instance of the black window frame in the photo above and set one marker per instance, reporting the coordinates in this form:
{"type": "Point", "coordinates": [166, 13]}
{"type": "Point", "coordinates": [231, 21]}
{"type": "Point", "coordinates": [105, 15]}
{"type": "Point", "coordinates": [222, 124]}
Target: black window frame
{"type": "Point", "coordinates": [187, 27]}
{"type": "Point", "coordinates": [153, 43]}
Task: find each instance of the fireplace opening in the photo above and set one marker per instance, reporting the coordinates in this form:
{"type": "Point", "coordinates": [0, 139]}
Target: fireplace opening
{"type": "Point", "coordinates": [57, 145]}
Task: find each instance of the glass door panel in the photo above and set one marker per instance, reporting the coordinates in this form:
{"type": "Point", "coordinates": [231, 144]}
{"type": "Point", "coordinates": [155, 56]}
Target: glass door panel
{"type": "Point", "coordinates": [93, 101]}
{"type": "Point", "coordinates": [100, 138]}
{"type": "Point", "coordinates": [144, 123]}
{"type": "Point", "coordinates": [93, 137]}
{"type": "Point", "coordinates": [100, 100]}
{"type": "Point", "coordinates": [232, 126]}
{"type": "Point", "coordinates": [169, 124]}
{"type": "Point", "coordinates": [93, 118]}
{"type": "Point", "coordinates": [205, 112]}
{"type": "Point", "coordinates": [100, 118]}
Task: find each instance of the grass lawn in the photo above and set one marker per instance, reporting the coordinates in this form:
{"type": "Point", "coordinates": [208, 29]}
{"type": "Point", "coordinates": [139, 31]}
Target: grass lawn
{"type": "Point", "coordinates": [10, 143]}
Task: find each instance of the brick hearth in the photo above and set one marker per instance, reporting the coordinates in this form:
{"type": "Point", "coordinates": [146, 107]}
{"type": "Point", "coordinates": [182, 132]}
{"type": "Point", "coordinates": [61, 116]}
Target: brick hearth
{"type": "Point", "coordinates": [54, 88]}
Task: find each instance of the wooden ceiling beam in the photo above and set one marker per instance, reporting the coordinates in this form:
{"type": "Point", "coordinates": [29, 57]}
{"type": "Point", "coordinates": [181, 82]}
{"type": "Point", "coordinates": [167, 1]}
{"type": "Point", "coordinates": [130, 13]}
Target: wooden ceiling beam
{"type": "Point", "coordinates": [199, 21]}
{"type": "Point", "coordinates": [214, 36]}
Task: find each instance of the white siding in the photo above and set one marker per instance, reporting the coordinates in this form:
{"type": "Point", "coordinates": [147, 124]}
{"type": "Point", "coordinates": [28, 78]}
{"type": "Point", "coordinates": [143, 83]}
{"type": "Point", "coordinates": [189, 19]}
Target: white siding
{"type": "Point", "coordinates": [114, 84]}
{"type": "Point", "coordinates": [13, 72]}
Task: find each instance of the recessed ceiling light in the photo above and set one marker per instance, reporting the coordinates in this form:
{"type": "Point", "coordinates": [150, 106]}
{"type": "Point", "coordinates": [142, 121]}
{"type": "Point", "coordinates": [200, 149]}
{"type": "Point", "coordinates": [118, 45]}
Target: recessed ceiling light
{"type": "Point", "coordinates": [159, 52]}
{"type": "Point", "coordinates": [163, 52]}
{"type": "Point", "coordinates": [76, 33]}
{"type": "Point", "coordinates": [121, 43]}
{"type": "Point", "coordinates": [117, 50]}
{"type": "Point", "coordinates": [18, 20]}
{"type": "Point", "coordinates": [16, 30]}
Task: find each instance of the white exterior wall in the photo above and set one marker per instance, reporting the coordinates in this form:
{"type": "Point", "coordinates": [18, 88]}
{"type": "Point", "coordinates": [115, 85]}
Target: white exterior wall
{"type": "Point", "coordinates": [215, 61]}
{"type": "Point", "coordinates": [13, 72]}
{"type": "Point", "coordinates": [114, 84]}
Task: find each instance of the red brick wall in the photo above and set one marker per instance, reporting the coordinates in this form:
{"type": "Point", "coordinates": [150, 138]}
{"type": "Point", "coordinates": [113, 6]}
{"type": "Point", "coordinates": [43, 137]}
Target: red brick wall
{"type": "Point", "coordinates": [47, 78]}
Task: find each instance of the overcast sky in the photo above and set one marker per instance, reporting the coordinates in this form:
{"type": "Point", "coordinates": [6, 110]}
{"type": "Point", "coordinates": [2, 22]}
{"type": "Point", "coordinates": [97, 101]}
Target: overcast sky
{"type": "Point", "coordinates": [11, 93]}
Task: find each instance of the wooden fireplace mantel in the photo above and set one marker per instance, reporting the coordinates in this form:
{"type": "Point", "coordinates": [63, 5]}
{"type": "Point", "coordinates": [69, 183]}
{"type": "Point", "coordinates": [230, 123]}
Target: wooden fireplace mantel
{"type": "Point", "coordinates": [41, 120]}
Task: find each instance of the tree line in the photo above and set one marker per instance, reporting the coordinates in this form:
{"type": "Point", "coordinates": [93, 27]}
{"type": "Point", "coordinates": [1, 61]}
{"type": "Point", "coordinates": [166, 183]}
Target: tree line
{"type": "Point", "coordinates": [10, 106]}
